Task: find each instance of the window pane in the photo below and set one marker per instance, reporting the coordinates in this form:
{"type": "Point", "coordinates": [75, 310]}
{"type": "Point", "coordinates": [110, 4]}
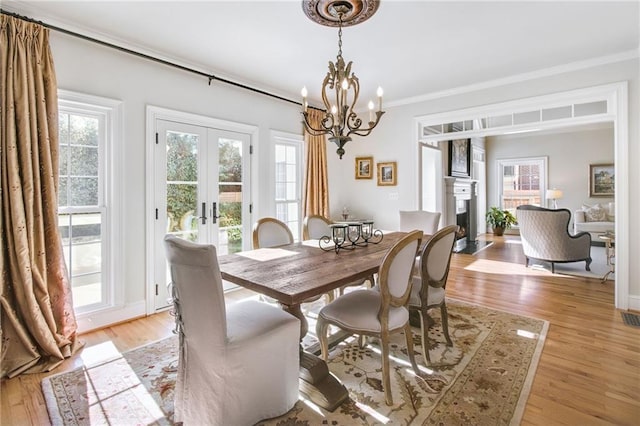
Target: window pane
{"type": "Point", "coordinates": [82, 246]}
{"type": "Point", "coordinates": [292, 191]}
{"type": "Point", "coordinates": [83, 159]}
{"type": "Point", "coordinates": [83, 130]}
{"type": "Point", "coordinates": [83, 191]}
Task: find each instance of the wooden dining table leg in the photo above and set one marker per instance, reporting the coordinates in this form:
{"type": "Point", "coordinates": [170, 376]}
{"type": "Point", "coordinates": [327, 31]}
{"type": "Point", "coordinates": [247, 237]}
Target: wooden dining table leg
{"type": "Point", "coordinates": [316, 381]}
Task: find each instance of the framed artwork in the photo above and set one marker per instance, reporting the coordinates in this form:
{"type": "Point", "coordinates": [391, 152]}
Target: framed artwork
{"type": "Point", "coordinates": [387, 174]}
{"type": "Point", "coordinates": [602, 179]}
{"type": "Point", "coordinates": [460, 158]}
{"type": "Point", "coordinates": [364, 167]}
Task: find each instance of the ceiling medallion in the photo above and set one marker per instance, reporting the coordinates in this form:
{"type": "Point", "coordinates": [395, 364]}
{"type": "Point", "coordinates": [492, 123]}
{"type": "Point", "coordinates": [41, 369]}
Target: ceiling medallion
{"type": "Point", "coordinates": [325, 12]}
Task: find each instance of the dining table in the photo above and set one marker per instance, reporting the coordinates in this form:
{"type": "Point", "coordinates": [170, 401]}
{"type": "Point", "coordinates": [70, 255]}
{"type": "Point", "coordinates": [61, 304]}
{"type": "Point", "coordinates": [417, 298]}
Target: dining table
{"type": "Point", "coordinates": [294, 273]}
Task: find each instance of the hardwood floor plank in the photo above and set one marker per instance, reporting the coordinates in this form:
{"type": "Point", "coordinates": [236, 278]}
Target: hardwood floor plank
{"type": "Point", "coordinates": [589, 369]}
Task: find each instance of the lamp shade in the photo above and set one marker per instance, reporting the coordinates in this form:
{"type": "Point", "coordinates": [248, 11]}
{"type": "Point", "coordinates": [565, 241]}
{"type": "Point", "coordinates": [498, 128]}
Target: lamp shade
{"type": "Point", "coordinates": [554, 194]}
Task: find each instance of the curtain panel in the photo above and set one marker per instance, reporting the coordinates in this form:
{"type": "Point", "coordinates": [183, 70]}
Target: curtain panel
{"type": "Point", "coordinates": [36, 307]}
{"type": "Point", "coordinates": [315, 199]}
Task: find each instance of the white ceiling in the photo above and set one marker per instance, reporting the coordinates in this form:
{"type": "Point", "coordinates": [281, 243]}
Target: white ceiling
{"type": "Point", "coordinates": [412, 49]}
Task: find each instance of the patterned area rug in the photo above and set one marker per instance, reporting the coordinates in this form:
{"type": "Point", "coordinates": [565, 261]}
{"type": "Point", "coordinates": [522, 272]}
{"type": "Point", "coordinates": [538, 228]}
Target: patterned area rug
{"type": "Point", "coordinates": [488, 373]}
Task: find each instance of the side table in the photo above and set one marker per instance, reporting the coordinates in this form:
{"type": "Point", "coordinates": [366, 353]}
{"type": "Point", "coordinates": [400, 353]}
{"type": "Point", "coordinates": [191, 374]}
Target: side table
{"type": "Point", "coordinates": [609, 242]}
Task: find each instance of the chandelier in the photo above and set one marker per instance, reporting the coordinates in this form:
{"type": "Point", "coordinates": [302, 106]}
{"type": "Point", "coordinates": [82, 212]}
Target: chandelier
{"type": "Point", "coordinates": [341, 88]}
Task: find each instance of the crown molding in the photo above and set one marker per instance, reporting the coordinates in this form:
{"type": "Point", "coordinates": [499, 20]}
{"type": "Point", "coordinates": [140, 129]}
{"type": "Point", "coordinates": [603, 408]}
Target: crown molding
{"type": "Point", "coordinates": [519, 78]}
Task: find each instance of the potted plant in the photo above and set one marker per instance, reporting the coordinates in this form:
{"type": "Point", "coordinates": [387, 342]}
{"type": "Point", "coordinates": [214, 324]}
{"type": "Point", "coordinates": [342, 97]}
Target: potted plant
{"type": "Point", "coordinates": [500, 220]}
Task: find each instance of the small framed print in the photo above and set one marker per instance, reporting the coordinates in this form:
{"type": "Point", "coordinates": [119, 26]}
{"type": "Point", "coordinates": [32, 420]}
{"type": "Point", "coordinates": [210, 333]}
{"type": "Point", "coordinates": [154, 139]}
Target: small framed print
{"type": "Point", "coordinates": [602, 179]}
{"type": "Point", "coordinates": [364, 167]}
{"type": "Point", "coordinates": [460, 158]}
{"type": "Point", "coordinates": [387, 174]}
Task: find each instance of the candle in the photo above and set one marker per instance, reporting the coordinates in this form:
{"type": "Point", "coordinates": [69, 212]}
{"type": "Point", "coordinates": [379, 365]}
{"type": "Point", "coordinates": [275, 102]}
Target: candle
{"type": "Point", "coordinates": [371, 106]}
{"type": "Point", "coordinates": [304, 93]}
{"type": "Point", "coordinates": [379, 93]}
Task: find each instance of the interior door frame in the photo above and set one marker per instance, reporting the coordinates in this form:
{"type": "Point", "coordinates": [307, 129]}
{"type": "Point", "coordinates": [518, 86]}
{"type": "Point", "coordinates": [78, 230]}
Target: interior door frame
{"type": "Point", "coordinates": [154, 113]}
{"type": "Point", "coordinates": [616, 96]}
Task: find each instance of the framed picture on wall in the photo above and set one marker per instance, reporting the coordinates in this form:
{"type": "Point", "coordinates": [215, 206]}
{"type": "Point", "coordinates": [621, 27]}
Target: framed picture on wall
{"type": "Point", "coordinates": [364, 167]}
{"type": "Point", "coordinates": [602, 179]}
{"type": "Point", "coordinates": [387, 174]}
{"type": "Point", "coordinates": [460, 158]}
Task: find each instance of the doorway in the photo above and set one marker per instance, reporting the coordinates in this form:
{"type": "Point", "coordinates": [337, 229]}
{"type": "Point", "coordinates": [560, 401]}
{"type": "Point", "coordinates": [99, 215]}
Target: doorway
{"type": "Point", "coordinates": [200, 191]}
{"type": "Point", "coordinates": [598, 104]}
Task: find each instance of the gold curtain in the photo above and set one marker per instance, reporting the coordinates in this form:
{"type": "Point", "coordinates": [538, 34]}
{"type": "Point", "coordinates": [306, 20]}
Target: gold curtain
{"type": "Point", "coordinates": [36, 307]}
{"type": "Point", "coordinates": [315, 199]}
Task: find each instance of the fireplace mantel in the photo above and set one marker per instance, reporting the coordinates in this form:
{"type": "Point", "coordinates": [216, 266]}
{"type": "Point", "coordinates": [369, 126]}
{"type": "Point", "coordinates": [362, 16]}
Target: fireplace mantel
{"type": "Point", "coordinates": [461, 195]}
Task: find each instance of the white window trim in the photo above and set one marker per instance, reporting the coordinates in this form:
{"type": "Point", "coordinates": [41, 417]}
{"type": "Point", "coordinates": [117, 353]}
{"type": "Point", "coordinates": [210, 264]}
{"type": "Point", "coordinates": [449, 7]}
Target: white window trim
{"type": "Point", "coordinates": [112, 172]}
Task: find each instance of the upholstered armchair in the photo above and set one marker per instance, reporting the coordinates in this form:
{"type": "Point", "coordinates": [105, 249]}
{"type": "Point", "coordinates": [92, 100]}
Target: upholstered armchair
{"type": "Point", "coordinates": [237, 365]}
{"type": "Point", "coordinates": [545, 236]}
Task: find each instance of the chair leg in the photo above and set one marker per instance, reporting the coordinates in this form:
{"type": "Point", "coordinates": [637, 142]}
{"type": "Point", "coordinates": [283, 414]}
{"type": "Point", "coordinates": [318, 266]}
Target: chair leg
{"type": "Point", "coordinates": [445, 322]}
{"type": "Point", "coordinates": [424, 331]}
{"type": "Point", "coordinates": [362, 340]}
{"type": "Point", "coordinates": [386, 378]}
{"type": "Point", "coordinates": [321, 334]}
{"type": "Point", "coordinates": [412, 357]}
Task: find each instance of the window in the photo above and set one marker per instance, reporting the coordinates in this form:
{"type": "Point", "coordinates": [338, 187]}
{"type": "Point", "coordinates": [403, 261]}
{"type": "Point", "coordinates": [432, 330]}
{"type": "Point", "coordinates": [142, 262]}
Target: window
{"type": "Point", "coordinates": [521, 181]}
{"type": "Point", "coordinates": [288, 180]}
{"type": "Point", "coordinates": [85, 202]}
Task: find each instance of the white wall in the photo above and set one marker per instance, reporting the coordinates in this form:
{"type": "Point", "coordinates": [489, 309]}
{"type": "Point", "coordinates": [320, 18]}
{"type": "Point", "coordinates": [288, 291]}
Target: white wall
{"type": "Point", "coordinates": [395, 140]}
{"type": "Point", "coordinates": [92, 69]}
{"type": "Point", "coordinates": [89, 68]}
{"type": "Point", "coordinates": [569, 153]}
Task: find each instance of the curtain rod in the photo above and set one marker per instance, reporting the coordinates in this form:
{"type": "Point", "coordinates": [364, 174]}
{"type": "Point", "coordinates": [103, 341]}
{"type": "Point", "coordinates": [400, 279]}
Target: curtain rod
{"type": "Point", "coordinates": [211, 77]}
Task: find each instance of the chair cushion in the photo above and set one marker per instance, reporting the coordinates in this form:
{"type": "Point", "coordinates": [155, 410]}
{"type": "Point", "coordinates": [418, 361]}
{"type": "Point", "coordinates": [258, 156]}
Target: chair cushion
{"type": "Point", "coordinates": [435, 296]}
{"type": "Point", "coordinates": [358, 310]}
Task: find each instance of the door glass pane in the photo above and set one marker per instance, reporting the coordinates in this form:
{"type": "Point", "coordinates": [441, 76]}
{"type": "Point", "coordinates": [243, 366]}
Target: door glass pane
{"type": "Point", "coordinates": [229, 196]}
{"type": "Point", "coordinates": [182, 185]}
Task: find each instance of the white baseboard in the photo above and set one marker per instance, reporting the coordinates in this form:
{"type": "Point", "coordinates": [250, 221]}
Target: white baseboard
{"type": "Point", "coordinates": [106, 317]}
{"type": "Point", "coordinates": [634, 302]}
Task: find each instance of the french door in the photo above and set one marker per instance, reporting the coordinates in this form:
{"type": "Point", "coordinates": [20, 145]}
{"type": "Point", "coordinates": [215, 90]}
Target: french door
{"type": "Point", "coordinates": [201, 192]}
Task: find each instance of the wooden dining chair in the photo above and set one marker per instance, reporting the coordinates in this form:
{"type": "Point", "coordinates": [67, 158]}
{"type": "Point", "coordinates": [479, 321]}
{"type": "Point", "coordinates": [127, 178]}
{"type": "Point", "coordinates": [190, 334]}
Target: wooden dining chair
{"type": "Point", "coordinates": [378, 312]}
{"type": "Point", "coordinates": [428, 287]}
{"type": "Point", "coordinates": [315, 227]}
{"type": "Point", "coordinates": [270, 232]}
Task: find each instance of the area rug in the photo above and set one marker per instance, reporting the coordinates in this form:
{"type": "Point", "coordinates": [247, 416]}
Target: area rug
{"type": "Point", "coordinates": [487, 376]}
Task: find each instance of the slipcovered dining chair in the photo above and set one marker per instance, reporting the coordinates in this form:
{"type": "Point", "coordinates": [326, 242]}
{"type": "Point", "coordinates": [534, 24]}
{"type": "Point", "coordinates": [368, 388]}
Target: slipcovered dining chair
{"type": "Point", "coordinates": [427, 221]}
{"type": "Point", "coordinates": [236, 365]}
{"type": "Point", "coordinates": [315, 227]}
{"type": "Point", "coordinates": [428, 289]}
{"type": "Point", "coordinates": [380, 311]}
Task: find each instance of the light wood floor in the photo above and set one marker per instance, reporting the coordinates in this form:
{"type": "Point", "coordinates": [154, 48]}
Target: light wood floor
{"type": "Point", "coordinates": [589, 371]}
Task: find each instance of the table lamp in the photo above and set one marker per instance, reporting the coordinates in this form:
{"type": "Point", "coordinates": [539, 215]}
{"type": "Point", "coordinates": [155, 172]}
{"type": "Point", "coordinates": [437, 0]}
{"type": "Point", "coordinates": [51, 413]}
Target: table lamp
{"type": "Point", "coordinates": [554, 195]}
